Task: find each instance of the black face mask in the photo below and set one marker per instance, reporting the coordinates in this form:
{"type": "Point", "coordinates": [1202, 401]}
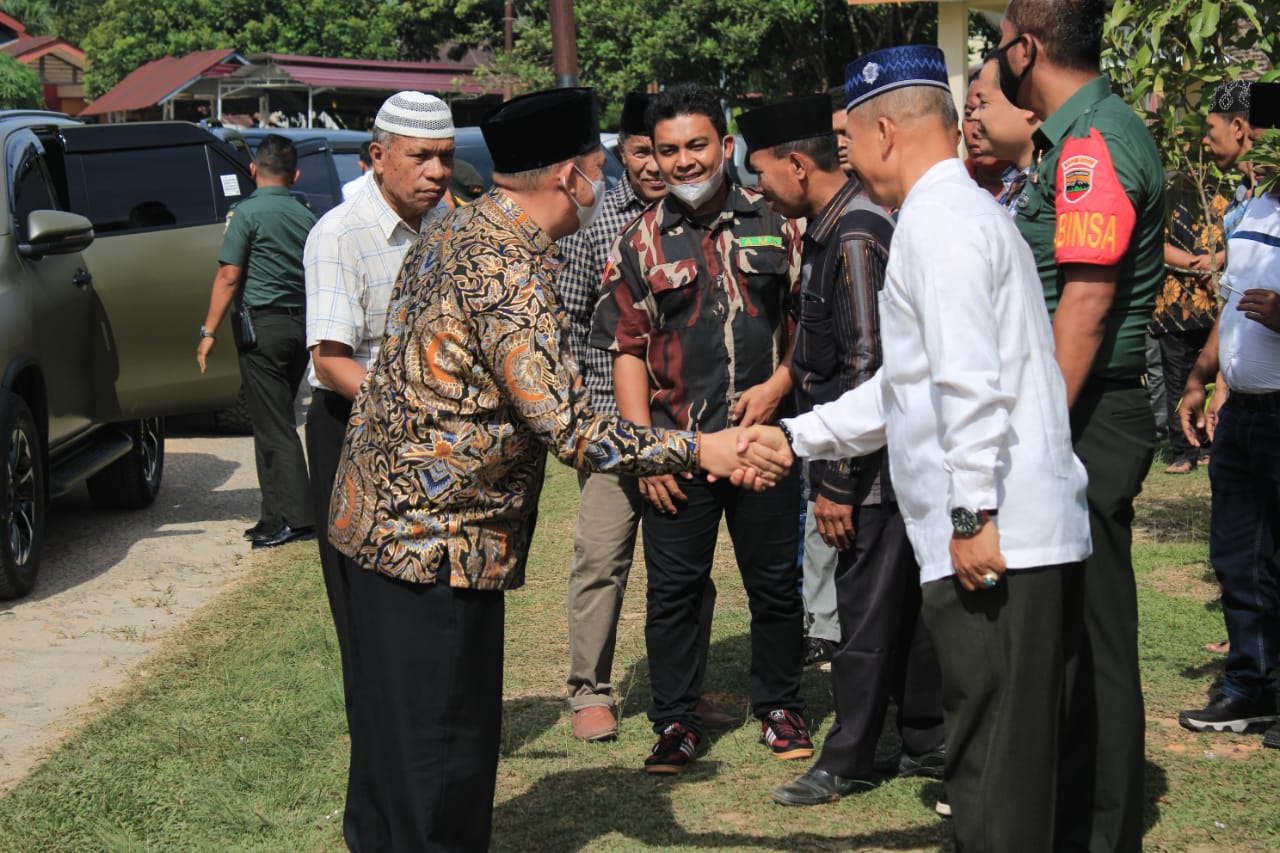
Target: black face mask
{"type": "Point", "coordinates": [1010, 82]}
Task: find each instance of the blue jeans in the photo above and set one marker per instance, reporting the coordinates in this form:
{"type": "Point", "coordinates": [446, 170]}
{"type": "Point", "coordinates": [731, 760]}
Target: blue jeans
{"type": "Point", "coordinates": [1244, 472]}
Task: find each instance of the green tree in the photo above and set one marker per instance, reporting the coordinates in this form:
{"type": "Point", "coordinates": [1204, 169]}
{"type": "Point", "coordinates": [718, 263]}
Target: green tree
{"type": "Point", "coordinates": [36, 15]}
{"type": "Point", "coordinates": [19, 85]}
{"type": "Point", "coordinates": [130, 33]}
{"type": "Point", "coordinates": [741, 46]}
{"type": "Point", "coordinates": [1167, 56]}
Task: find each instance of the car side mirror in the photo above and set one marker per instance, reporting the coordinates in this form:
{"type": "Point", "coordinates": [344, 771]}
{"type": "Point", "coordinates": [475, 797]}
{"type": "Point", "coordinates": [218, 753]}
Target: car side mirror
{"type": "Point", "coordinates": [55, 232]}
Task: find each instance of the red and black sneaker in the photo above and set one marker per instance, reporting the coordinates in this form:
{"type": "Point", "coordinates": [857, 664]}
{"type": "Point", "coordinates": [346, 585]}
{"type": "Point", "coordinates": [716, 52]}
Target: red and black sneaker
{"type": "Point", "coordinates": [785, 733]}
{"type": "Point", "coordinates": [676, 747]}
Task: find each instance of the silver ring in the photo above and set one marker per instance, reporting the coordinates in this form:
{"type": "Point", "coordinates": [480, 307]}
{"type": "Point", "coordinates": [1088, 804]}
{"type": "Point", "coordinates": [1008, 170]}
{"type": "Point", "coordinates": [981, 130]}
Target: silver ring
{"type": "Point", "coordinates": [989, 579]}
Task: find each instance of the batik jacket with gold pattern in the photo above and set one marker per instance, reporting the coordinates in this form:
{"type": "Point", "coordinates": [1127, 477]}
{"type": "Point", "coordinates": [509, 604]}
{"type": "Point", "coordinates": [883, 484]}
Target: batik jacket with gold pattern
{"type": "Point", "coordinates": [448, 438]}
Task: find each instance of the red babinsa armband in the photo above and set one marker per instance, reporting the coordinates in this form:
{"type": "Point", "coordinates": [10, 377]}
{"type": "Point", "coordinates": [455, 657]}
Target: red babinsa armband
{"type": "Point", "coordinates": [1094, 215]}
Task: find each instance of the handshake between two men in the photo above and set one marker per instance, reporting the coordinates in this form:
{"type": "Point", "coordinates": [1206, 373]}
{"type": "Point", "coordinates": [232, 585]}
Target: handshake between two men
{"type": "Point", "coordinates": [753, 457]}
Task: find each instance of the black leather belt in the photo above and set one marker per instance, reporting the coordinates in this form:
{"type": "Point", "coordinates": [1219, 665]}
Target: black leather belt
{"type": "Point", "coordinates": [1266, 402]}
{"type": "Point", "coordinates": [276, 309]}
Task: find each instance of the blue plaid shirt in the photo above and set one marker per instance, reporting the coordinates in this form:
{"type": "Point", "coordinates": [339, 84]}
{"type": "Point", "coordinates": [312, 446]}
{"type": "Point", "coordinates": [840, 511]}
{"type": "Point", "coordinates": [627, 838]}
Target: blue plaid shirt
{"type": "Point", "coordinates": [586, 253]}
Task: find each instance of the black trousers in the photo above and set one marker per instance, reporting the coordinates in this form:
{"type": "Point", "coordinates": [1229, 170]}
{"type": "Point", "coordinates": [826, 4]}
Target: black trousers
{"type": "Point", "coordinates": [1003, 652]}
{"type": "Point", "coordinates": [884, 651]}
{"type": "Point", "coordinates": [326, 428]}
{"type": "Point", "coordinates": [426, 714]}
{"type": "Point", "coordinates": [678, 551]}
{"type": "Point", "coordinates": [1102, 797]}
{"type": "Point", "coordinates": [270, 374]}
{"type": "Point", "coordinates": [1178, 354]}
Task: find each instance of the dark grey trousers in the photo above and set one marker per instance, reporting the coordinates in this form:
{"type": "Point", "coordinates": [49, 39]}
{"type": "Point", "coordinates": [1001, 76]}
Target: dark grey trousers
{"type": "Point", "coordinates": [270, 374]}
{"type": "Point", "coordinates": [884, 651]}
{"type": "Point", "coordinates": [1003, 654]}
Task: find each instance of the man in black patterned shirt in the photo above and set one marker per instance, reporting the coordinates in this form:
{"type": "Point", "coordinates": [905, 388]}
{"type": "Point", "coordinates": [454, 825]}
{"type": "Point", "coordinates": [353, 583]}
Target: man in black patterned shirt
{"type": "Point", "coordinates": [884, 649]}
{"type": "Point", "coordinates": [609, 510]}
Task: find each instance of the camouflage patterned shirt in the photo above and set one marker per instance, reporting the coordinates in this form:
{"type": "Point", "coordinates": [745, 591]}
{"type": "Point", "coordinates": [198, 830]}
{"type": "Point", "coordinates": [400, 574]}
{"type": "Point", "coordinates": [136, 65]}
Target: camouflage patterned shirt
{"type": "Point", "coordinates": [705, 301]}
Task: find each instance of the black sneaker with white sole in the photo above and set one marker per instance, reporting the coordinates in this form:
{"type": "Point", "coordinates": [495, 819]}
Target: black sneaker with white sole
{"type": "Point", "coordinates": [1225, 714]}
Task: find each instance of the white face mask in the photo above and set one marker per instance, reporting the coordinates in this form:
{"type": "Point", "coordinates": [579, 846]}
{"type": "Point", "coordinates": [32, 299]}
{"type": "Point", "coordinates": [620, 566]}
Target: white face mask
{"type": "Point", "coordinates": [694, 196]}
{"type": "Point", "coordinates": [587, 213]}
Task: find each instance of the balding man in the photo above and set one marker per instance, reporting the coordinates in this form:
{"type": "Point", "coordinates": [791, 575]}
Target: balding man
{"type": "Point", "coordinates": [352, 257]}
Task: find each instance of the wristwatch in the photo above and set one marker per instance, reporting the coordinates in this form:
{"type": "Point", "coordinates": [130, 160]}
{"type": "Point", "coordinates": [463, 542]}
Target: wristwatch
{"type": "Point", "coordinates": [967, 522]}
{"type": "Point", "coordinates": [205, 333]}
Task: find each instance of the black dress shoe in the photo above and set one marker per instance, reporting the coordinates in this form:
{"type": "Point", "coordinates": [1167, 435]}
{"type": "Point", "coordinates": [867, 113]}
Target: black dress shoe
{"type": "Point", "coordinates": [930, 764]}
{"type": "Point", "coordinates": [816, 787]}
{"type": "Point", "coordinates": [255, 532]}
{"type": "Point", "coordinates": [284, 535]}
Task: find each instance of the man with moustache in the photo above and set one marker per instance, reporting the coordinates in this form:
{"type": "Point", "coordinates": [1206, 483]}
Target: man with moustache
{"type": "Point", "coordinates": [351, 260]}
{"type": "Point", "coordinates": [884, 649]}
{"type": "Point", "coordinates": [838, 117]}
{"type": "Point", "coordinates": [1094, 218]}
{"type": "Point", "coordinates": [609, 508]}
{"type": "Point", "coordinates": [694, 309]}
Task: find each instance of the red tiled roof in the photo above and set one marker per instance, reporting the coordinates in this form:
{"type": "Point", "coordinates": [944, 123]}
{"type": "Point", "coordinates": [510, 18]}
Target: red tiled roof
{"type": "Point", "coordinates": [160, 78]}
{"type": "Point", "coordinates": [26, 48]}
{"type": "Point", "coordinates": [378, 74]}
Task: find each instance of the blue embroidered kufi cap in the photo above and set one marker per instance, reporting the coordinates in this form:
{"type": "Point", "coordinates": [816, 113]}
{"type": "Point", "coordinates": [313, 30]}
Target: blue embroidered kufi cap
{"type": "Point", "coordinates": [893, 68]}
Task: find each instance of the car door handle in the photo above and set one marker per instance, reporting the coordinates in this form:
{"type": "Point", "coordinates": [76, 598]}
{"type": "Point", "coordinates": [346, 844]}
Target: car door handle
{"type": "Point", "coordinates": [82, 278]}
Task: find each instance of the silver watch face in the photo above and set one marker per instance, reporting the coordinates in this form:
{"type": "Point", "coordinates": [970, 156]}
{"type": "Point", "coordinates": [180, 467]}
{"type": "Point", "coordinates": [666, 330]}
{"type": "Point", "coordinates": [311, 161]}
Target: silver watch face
{"type": "Point", "coordinates": [965, 521]}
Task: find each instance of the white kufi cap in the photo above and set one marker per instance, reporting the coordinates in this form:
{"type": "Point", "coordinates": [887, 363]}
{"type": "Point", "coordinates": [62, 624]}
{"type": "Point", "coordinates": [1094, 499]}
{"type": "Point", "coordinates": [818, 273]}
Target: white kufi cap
{"type": "Point", "coordinates": [417, 115]}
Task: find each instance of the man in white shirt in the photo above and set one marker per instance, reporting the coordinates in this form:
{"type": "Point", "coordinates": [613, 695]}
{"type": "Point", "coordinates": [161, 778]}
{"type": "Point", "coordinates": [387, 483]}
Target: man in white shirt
{"type": "Point", "coordinates": [973, 409]}
{"type": "Point", "coordinates": [352, 258]}
{"type": "Point", "coordinates": [1244, 470]}
{"type": "Point", "coordinates": [353, 186]}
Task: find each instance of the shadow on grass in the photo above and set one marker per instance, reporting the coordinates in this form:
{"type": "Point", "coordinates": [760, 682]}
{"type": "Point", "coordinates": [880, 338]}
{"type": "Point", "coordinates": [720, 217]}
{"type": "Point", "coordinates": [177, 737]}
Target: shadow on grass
{"type": "Point", "coordinates": [725, 685]}
{"type": "Point", "coordinates": [575, 809]}
{"type": "Point", "coordinates": [1155, 787]}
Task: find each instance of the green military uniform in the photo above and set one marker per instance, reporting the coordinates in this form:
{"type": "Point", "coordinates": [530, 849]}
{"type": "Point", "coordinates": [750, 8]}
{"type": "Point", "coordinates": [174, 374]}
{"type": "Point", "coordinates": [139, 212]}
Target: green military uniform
{"type": "Point", "coordinates": [1096, 196]}
{"type": "Point", "coordinates": [265, 236]}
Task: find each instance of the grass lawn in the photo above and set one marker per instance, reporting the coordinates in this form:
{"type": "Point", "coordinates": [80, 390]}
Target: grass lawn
{"type": "Point", "coordinates": [233, 738]}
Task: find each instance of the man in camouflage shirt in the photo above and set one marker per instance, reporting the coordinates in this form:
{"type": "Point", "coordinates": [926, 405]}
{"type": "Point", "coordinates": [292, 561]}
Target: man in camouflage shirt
{"type": "Point", "coordinates": [695, 309]}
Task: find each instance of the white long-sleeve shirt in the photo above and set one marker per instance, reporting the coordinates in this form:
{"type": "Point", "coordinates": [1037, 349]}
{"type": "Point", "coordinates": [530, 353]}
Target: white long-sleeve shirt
{"type": "Point", "coordinates": [969, 398]}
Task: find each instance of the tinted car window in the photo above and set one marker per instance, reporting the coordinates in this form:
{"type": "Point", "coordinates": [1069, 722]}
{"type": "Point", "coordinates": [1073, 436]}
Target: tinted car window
{"type": "Point", "coordinates": [151, 188]}
{"type": "Point", "coordinates": [348, 166]}
{"type": "Point", "coordinates": [315, 181]}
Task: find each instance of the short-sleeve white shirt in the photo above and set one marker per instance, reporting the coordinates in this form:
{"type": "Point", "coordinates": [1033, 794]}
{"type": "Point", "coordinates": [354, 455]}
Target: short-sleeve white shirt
{"type": "Point", "coordinates": [1248, 351]}
{"type": "Point", "coordinates": [352, 258]}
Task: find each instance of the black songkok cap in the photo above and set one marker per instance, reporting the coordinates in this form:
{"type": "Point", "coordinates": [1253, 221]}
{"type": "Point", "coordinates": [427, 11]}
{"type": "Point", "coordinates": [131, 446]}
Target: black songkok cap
{"type": "Point", "coordinates": [1232, 97]}
{"type": "Point", "coordinates": [633, 114]}
{"type": "Point", "coordinates": [786, 121]}
{"type": "Point", "coordinates": [542, 129]}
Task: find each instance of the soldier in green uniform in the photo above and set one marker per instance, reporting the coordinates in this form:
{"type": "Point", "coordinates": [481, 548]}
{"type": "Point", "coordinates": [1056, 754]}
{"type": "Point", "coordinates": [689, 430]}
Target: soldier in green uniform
{"type": "Point", "coordinates": [262, 253]}
{"type": "Point", "coordinates": [1093, 213]}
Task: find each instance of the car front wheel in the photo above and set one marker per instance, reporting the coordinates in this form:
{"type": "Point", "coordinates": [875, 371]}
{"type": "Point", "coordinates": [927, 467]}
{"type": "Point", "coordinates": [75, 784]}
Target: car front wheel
{"type": "Point", "coordinates": [22, 497]}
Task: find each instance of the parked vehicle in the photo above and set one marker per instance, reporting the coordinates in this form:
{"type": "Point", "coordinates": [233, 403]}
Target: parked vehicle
{"type": "Point", "coordinates": [108, 246]}
{"type": "Point", "coordinates": [327, 159]}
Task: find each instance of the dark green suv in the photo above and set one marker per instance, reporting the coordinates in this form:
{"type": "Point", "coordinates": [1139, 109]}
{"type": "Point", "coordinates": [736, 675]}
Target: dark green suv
{"type": "Point", "coordinates": [108, 245]}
